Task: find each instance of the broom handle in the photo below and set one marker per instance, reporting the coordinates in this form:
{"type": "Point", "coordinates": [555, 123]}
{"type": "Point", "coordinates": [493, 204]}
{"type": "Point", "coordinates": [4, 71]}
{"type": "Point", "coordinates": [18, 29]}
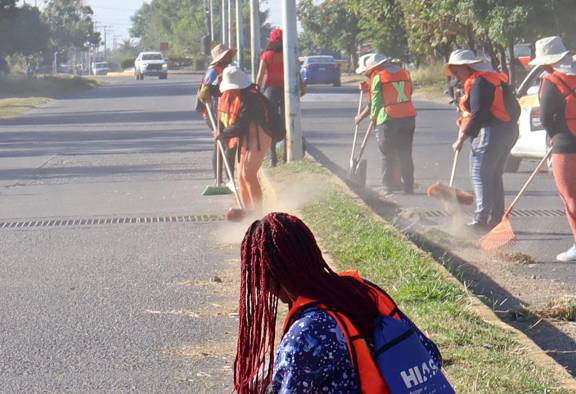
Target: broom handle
{"type": "Point", "coordinates": [528, 182]}
{"type": "Point", "coordinates": [454, 163]}
{"type": "Point", "coordinates": [221, 151]}
{"type": "Point", "coordinates": [365, 141]}
{"type": "Point", "coordinates": [356, 127]}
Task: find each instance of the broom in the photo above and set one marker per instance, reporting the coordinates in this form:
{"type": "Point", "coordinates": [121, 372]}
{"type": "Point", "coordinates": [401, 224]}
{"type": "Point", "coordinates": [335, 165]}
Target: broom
{"type": "Point", "coordinates": [447, 192]}
{"type": "Point", "coordinates": [218, 189]}
{"type": "Point", "coordinates": [356, 161]}
{"type": "Point", "coordinates": [503, 233]}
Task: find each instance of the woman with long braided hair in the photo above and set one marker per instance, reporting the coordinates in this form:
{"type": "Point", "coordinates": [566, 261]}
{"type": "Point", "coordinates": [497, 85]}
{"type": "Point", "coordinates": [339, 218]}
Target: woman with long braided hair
{"type": "Point", "coordinates": [281, 260]}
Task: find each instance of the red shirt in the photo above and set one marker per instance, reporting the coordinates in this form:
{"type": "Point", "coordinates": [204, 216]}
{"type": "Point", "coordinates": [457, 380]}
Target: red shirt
{"type": "Point", "coordinates": [274, 62]}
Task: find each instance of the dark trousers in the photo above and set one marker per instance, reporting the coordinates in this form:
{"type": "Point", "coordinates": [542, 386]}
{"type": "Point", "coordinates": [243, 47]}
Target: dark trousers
{"type": "Point", "coordinates": [490, 149]}
{"type": "Point", "coordinates": [395, 138]}
{"type": "Point", "coordinates": [276, 95]}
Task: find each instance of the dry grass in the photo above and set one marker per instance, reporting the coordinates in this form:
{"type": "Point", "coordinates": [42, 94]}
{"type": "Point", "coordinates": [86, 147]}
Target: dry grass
{"type": "Point", "coordinates": [563, 308]}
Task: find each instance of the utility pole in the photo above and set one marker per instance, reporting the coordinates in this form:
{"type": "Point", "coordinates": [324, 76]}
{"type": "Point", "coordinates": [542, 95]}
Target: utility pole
{"type": "Point", "coordinates": [254, 36]}
{"type": "Point", "coordinates": [224, 23]}
{"type": "Point", "coordinates": [211, 11]}
{"type": "Point", "coordinates": [291, 82]}
{"type": "Point", "coordinates": [239, 34]}
{"type": "Point", "coordinates": [231, 24]}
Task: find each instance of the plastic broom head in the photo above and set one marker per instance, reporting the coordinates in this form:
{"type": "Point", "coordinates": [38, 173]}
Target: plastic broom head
{"type": "Point", "coordinates": [499, 237]}
{"type": "Point", "coordinates": [445, 192]}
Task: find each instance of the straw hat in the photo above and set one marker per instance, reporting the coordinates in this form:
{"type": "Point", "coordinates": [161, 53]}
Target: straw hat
{"type": "Point", "coordinates": [219, 51]}
{"type": "Point", "coordinates": [549, 50]}
{"type": "Point", "coordinates": [362, 63]}
{"type": "Point", "coordinates": [377, 59]}
{"type": "Point", "coordinates": [234, 78]}
{"type": "Point", "coordinates": [466, 57]}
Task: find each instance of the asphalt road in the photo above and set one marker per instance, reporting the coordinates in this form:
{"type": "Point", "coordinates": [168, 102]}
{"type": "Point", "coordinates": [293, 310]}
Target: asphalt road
{"type": "Point", "coordinates": [328, 123]}
{"type": "Point", "coordinates": [109, 254]}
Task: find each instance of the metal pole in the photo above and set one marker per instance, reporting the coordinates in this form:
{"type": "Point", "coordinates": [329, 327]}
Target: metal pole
{"type": "Point", "coordinates": [224, 23]}
{"type": "Point", "coordinates": [254, 36]}
{"type": "Point", "coordinates": [211, 10]}
{"type": "Point", "coordinates": [291, 82]}
{"type": "Point", "coordinates": [231, 24]}
{"type": "Point", "coordinates": [239, 34]}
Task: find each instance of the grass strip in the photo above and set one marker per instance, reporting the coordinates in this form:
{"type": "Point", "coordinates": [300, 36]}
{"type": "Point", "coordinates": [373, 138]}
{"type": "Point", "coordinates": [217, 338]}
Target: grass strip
{"type": "Point", "coordinates": [19, 94]}
{"type": "Point", "coordinates": [479, 358]}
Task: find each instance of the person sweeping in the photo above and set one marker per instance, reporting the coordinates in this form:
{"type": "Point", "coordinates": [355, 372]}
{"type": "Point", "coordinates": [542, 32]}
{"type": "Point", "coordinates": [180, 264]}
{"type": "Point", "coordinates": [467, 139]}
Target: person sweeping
{"type": "Point", "coordinates": [332, 320]}
{"type": "Point", "coordinates": [246, 120]}
{"type": "Point", "coordinates": [485, 119]}
{"type": "Point", "coordinates": [558, 116]}
{"type": "Point", "coordinates": [392, 111]}
{"type": "Point", "coordinates": [209, 93]}
{"type": "Point", "coordinates": [270, 79]}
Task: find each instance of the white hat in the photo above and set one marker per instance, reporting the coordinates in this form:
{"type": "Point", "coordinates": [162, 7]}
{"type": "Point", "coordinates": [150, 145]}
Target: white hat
{"type": "Point", "coordinates": [566, 66]}
{"type": "Point", "coordinates": [362, 63]}
{"type": "Point", "coordinates": [234, 78]}
{"type": "Point", "coordinates": [549, 50]}
{"type": "Point", "coordinates": [377, 59]}
{"type": "Point", "coordinates": [466, 57]}
{"type": "Point", "coordinates": [219, 51]}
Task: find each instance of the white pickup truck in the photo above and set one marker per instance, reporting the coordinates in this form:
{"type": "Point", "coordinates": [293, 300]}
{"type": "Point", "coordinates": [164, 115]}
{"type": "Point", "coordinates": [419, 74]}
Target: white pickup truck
{"type": "Point", "coordinates": [150, 64]}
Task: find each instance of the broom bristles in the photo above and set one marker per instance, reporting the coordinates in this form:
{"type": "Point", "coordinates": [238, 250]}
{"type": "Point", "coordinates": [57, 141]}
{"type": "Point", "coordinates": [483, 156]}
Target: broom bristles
{"type": "Point", "coordinates": [444, 192]}
{"type": "Point", "coordinates": [499, 236]}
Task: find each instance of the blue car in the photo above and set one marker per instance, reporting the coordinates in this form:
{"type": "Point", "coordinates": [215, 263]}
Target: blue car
{"type": "Point", "coordinates": [320, 69]}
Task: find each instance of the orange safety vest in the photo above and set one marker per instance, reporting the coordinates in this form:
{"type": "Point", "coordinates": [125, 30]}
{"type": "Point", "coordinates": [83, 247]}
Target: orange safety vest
{"type": "Point", "coordinates": [566, 84]}
{"type": "Point", "coordinates": [498, 108]}
{"type": "Point", "coordinates": [397, 92]}
{"type": "Point", "coordinates": [228, 109]}
{"type": "Point", "coordinates": [370, 378]}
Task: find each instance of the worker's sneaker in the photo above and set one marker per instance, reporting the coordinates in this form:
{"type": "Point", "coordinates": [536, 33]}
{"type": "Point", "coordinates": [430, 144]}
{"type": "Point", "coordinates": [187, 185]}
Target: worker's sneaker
{"type": "Point", "coordinates": [568, 256]}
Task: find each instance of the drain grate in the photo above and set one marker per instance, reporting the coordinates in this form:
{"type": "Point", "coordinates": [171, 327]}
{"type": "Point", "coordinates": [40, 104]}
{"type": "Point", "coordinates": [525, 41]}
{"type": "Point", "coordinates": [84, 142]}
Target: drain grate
{"type": "Point", "coordinates": [67, 222]}
{"type": "Point", "coordinates": [526, 213]}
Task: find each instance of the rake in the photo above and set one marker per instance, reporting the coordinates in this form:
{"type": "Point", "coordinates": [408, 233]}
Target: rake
{"type": "Point", "coordinates": [503, 233]}
{"type": "Point", "coordinates": [448, 192]}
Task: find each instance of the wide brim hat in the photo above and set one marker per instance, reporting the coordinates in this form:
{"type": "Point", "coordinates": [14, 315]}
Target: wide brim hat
{"type": "Point", "coordinates": [219, 52]}
{"type": "Point", "coordinates": [464, 57]}
{"type": "Point", "coordinates": [374, 61]}
{"type": "Point", "coordinates": [234, 78]}
{"type": "Point", "coordinates": [549, 50]}
{"type": "Point", "coordinates": [361, 69]}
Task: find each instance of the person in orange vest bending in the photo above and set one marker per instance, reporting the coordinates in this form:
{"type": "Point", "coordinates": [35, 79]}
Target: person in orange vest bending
{"type": "Point", "coordinates": [392, 111]}
{"type": "Point", "coordinates": [326, 334]}
{"type": "Point", "coordinates": [558, 116]}
{"type": "Point", "coordinates": [486, 120]}
{"type": "Point", "coordinates": [244, 115]}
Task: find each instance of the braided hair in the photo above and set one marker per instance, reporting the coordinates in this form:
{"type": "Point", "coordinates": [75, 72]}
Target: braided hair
{"type": "Point", "coordinates": [280, 252]}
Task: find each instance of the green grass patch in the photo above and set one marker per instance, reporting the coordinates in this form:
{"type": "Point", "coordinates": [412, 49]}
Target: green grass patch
{"type": "Point", "coordinates": [479, 358]}
{"type": "Point", "coordinates": [429, 81]}
{"type": "Point", "coordinates": [19, 94]}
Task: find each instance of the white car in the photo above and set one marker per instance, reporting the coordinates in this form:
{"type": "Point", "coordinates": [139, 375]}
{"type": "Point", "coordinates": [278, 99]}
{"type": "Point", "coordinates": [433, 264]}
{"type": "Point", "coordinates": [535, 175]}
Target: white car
{"type": "Point", "coordinates": [150, 64]}
{"type": "Point", "coordinates": [533, 141]}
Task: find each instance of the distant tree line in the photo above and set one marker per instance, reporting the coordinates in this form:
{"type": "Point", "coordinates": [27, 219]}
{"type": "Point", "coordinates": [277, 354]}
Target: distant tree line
{"type": "Point", "coordinates": [417, 30]}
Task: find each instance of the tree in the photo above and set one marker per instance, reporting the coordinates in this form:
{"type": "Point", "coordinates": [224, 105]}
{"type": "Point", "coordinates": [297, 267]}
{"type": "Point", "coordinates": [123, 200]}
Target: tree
{"type": "Point", "coordinates": [71, 25]}
{"type": "Point", "coordinates": [23, 31]}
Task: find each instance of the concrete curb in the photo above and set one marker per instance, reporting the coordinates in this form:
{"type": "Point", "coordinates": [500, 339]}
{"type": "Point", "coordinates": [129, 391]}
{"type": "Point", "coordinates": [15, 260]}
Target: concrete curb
{"type": "Point", "coordinates": [534, 352]}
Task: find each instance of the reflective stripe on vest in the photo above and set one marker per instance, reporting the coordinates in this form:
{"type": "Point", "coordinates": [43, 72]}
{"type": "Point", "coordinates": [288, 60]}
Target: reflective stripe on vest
{"type": "Point", "coordinates": [566, 84]}
{"type": "Point", "coordinates": [397, 92]}
{"type": "Point", "coordinates": [370, 378]}
{"type": "Point", "coordinates": [498, 108]}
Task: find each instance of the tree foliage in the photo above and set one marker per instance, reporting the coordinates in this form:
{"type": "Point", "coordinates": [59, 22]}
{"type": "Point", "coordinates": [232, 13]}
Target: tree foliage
{"type": "Point", "coordinates": [22, 30]}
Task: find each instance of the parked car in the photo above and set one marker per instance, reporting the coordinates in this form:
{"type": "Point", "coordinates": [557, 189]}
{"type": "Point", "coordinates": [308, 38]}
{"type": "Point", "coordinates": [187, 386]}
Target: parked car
{"type": "Point", "coordinates": [320, 69]}
{"type": "Point", "coordinates": [533, 141]}
{"type": "Point", "coordinates": [150, 64]}
{"type": "Point", "coordinates": [100, 68]}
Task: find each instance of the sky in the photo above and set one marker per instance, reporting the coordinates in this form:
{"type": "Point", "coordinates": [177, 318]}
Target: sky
{"type": "Point", "coordinates": [116, 14]}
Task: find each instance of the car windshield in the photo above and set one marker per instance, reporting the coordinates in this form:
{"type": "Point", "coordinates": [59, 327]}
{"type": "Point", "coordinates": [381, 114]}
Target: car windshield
{"type": "Point", "coordinates": [152, 56]}
{"type": "Point", "coordinates": [522, 51]}
{"type": "Point", "coordinates": [101, 65]}
{"type": "Point", "coordinates": [321, 59]}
